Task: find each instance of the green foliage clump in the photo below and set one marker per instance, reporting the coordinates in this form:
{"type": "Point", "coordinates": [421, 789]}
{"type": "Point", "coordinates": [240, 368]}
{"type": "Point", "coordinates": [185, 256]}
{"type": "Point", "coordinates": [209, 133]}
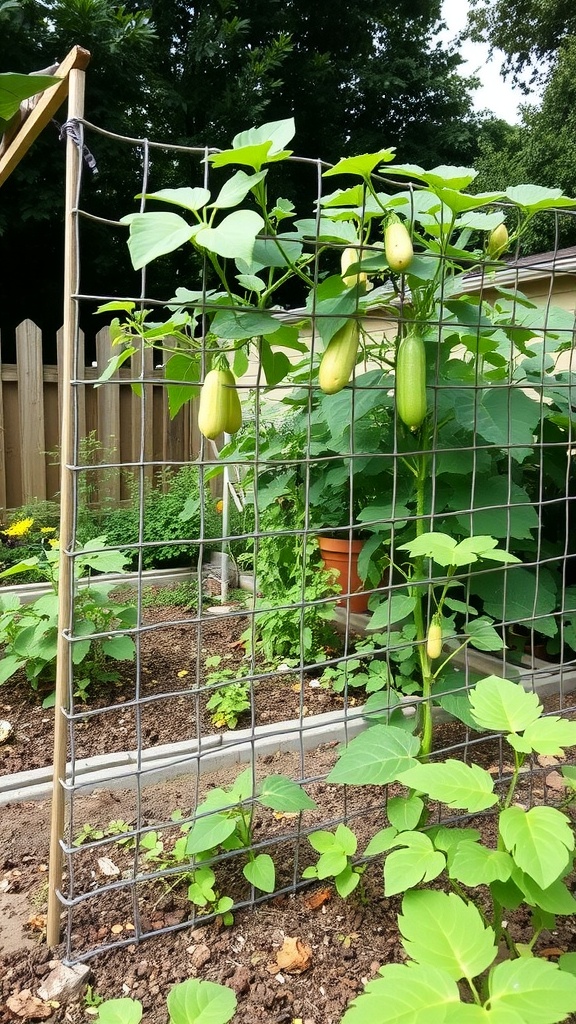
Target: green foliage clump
{"type": "Point", "coordinates": [29, 633]}
{"type": "Point", "coordinates": [168, 539]}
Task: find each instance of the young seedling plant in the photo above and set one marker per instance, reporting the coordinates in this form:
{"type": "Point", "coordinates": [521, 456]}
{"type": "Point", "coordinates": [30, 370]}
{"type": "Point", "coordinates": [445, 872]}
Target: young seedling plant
{"type": "Point", "coordinates": [464, 960]}
{"type": "Point", "coordinates": [432, 602]}
{"type": "Point", "coordinates": [192, 1002]}
{"type": "Point", "coordinates": [223, 822]}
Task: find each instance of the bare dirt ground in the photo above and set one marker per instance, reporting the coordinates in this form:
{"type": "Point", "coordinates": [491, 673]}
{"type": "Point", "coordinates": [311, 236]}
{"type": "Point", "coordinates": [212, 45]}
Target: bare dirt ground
{"type": "Point", "coordinates": [348, 940]}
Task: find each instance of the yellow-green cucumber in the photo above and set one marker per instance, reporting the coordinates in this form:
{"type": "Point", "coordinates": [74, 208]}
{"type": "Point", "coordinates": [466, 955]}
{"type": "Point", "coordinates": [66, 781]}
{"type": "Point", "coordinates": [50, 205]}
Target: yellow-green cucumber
{"type": "Point", "coordinates": [398, 246]}
{"type": "Point", "coordinates": [349, 257]}
{"type": "Point", "coordinates": [411, 380]}
{"type": "Point", "coordinates": [219, 410]}
{"type": "Point", "coordinates": [498, 240]}
{"type": "Point", "coordinates": [339, 358]}
{"type": "Point", "coordinates": [434, 639]}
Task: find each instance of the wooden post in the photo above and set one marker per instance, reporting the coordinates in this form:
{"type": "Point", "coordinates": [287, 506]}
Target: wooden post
{"type": "Point", "coordinates": [31, 410]}
{"type": "Point", "coordinates": [65, 589]}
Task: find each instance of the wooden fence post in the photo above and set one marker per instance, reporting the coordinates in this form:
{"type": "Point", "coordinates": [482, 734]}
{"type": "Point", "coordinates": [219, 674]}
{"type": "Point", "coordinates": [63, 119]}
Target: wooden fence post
{"type": "Point", "coordinates": [31, 410]}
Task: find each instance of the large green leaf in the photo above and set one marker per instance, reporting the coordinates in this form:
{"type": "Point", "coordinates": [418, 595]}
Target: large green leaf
{"type": "Point", "coordinates": [184, 367]}
{"type": "Point", "coordinates": [537, 197]}
{"type": "Point", "coordinates": [257, 146]}
{"type": "Point", "coordinates": [208, 832]}
{"type": "Point", "coordinates": [391, 610]}
{"type": "Point", "coordinates": [439, 177]}
{"type": "Point", "coordinates": [446, 551]}
{"type": "Point", "coordinates": [404, 812]}
{"type": "Point", "coordinates": [482, 634]}
{"type": "Point", "coordinates": [236, 189]}
{"type": "Point", "coordinates": [540, 840]}
{"type": "Point", "coordinates": [196, 1001]}
{"type": "Point", "coordinates": [405, 994]}
{"type": "Point", "coordinates": [282, 794]}
{"type": "Point", "coordinates": [234, 237]}
{"type": "Point", "coordinates": [555, 899]}
{"type": "Point", "coordinates": [243, 322]}
{"type": "Point", "coordinates": [500, 416]}
{"type": "Point", "coordinates": [14, 88]}
{"type": "Point", "coordinates": [417, 862]}
{"type": "Point", "coordinates": [155, 234]}
{"type": "Point", "coordinates": [376, 757]}
{"type": "Point", "coordinates": [362, 165]}
{"type": "Point", "coordinates": [121, 648]}
{"type": "Point", "coordinates": [188, 198]}
{"type": "Point", "coordinates": [10, 664]}
{"type": "Point", "coordinates": [535, 988]}
{"type": "Point", "coordinates": [120, 1011]}
{"type": "Point", "coordinates": [443, 931]}
{"type": "Point", "coordinates": [548, 735]}
{"type": "Point", "coordinates": [275, 252]}
{"type": "Point", "coordinates": [516, 593]}
{"type": "Point", "coordinates": [261, 872]}
{"type": "Point", "coordinates": [460, 203]}
{"type": "Point", "coordinates": [453, 783]}
{"type": "Point", "coordinates": [474, 864]}
{"type": "Point", "coordinates": [503, 706]}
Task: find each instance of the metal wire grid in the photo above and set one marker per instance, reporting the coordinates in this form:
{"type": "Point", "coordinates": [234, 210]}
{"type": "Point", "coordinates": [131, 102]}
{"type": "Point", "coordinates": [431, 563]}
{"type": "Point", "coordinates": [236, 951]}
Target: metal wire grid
{"type": "Point", "coordinates": [84, 900]}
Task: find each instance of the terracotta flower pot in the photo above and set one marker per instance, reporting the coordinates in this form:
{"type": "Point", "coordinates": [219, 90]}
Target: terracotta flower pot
{"type": "Point", "coordinates": [341, 555]}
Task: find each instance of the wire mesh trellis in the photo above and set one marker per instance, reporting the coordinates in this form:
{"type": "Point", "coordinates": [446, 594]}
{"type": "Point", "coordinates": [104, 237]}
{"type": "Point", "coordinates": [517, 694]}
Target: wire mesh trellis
{"type": "Point", "coordinates": [305, 461]}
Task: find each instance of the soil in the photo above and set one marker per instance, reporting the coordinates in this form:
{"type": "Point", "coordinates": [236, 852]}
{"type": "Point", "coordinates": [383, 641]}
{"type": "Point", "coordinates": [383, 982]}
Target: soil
{"type": "Point", "coordinates": [172, 653]}
{"type": "Point", "coordinates": [348, 940]}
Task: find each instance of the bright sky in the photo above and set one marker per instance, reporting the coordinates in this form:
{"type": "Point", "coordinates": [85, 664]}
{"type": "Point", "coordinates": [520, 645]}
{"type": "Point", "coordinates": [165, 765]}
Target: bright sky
{"type": "Point", "coordinates": [494, 94]}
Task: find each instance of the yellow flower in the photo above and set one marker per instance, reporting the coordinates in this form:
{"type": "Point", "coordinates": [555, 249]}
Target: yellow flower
{"type": "Point", "coordinates": [19, 529]}
{"type": "Point", "coordinates": [219, 506]}
{"type": "Point", "coordinates": [47, 529]}
{"type": "Point", "coordinates": [54, 542]}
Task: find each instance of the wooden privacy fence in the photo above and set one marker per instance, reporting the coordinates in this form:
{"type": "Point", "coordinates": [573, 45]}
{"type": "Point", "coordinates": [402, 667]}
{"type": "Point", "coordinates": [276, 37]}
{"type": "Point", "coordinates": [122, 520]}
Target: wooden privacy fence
{"type": "Point", "coordinates": [30, 405]}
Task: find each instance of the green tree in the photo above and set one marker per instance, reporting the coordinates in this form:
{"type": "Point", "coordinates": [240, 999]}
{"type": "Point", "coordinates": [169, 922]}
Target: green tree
{"type": "Point", "coordinates": [530, 32]}
{"type": "Point", "coordinates": [542, 149]}
{"type": "Point", "coordinates": [355, 79]}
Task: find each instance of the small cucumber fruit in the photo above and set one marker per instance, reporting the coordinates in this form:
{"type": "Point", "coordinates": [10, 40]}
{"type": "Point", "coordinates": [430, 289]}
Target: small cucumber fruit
{"type": "Point", "coordinates": [411, 380]}
{"type": "Point", "coordinates": [398, 246]}
{"type": "Point", "coordinates": [339, 359]}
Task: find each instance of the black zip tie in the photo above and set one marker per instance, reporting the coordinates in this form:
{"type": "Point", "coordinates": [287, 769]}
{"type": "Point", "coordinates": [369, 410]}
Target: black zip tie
{"type": "Point", "coordinates": [70, 128]}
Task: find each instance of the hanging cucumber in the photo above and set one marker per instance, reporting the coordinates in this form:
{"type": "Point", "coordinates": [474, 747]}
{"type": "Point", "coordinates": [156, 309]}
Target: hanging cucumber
{"type": "Point", "coordinates": [498, 240]}
{"type": "Point", "coordinates": [339, 359]}
{"type": "Point", "coordinates": [398, 246]}
{"type": "Point", "coordinates": [219, 411]}
{"type": "Point", "coordinates": [349, 257]}
{"type": "Point", "coordinates": [411, 380]}
{"type": "Point", "coordinates": [434, 639]}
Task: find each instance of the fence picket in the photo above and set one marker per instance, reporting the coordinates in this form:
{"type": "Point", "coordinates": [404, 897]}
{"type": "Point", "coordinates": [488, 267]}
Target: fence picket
{"type": "Point", "coordinates": [31, 407]}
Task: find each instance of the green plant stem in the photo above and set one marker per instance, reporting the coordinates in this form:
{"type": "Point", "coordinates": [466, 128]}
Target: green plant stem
{"type": "Point", "coordinates": [518, 762]}
{"type": "Point", "coordinates": [425, 666]}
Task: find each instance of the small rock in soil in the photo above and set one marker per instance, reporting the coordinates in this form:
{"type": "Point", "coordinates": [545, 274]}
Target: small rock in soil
{"type": "Point", "coordinates": [200, 956]}
{"type": "Point", "coordinates": [240, 980]}
{"type": "Point", "coordinates": [64, 983]}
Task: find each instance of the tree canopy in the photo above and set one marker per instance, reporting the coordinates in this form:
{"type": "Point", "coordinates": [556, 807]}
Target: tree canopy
{"type": "Point", "coordinates": [530, 33]}
{"type": "Point", "coordinates": [356, 79]}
